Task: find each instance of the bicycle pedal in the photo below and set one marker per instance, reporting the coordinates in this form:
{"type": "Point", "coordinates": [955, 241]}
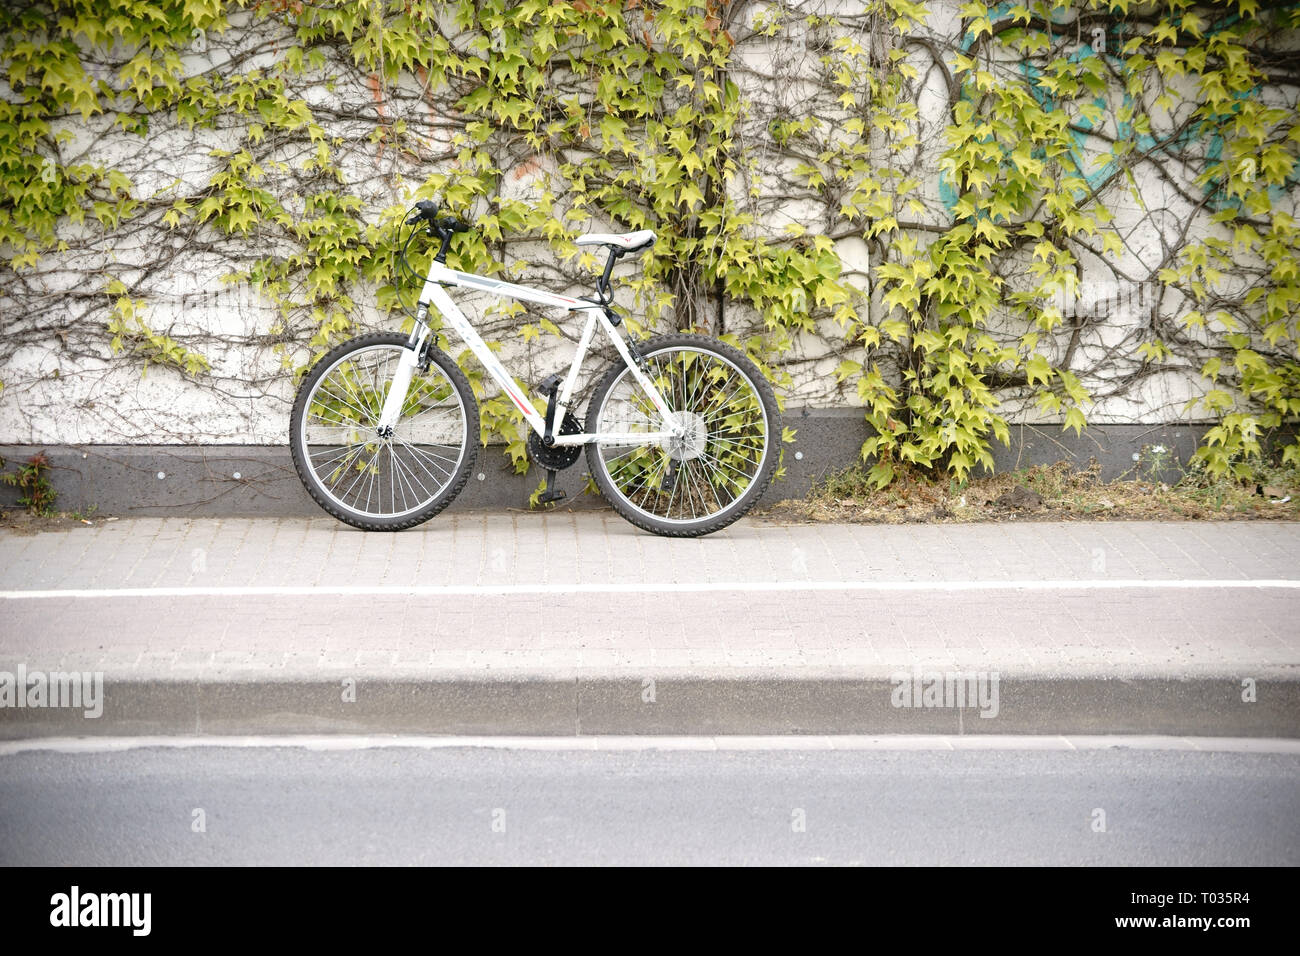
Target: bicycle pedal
{"type": "Point", "coordinates": [551, 384]}
{"type": "Point", "coordinates": [551, 493]}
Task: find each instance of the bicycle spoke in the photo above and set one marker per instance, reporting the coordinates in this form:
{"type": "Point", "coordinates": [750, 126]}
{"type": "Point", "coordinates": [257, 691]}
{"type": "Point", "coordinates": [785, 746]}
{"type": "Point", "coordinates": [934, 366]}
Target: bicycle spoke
{"type": "Point", "coordinates": [341, 472]}
{"type": "Point", "coordinates": [712, 490]}
{"type": "Point", "coordinates": [705, 385]}
{"type": "Point", "coordinates": [729, 400]}
{"type": "Point", "coordinates": [409, 470]}
{"type": "Point", "coordinates": [748, 461]}
{"type": "Point", "coordinates": [722, 468]}
{"type": "Point", "coordinates": [340, 398]}
{"type": "Point", "coordinates": [417, 454]}
{"type": "Point", "coordinates": [360, 472]}
{"type": "Point", "coordinates": [369, 412]}
{"type": "Point", "coordinates": [347, 450]}
{"type": "Point", "coordinates": [420, 449]}
{"type": "Point", "coordinates": [399, 481]}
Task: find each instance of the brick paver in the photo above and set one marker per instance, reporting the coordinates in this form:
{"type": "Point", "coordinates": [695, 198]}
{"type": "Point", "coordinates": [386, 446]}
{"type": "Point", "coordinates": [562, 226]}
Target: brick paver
{"type": "Point", "coordinates": [1139, 631]}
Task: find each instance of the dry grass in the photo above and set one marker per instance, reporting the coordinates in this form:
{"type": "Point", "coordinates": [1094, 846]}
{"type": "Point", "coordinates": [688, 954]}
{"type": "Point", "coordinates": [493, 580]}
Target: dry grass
{"type": "Point", "coordinates": [1059, 492]}
{"type": "Point", "coordinates": [17, 521]}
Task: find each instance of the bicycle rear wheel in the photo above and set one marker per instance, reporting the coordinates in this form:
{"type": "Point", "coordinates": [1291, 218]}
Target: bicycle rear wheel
{"type": "Point", "coordinates": [383, 483]}
{"type": "Point", "coordinates": [724, 460]}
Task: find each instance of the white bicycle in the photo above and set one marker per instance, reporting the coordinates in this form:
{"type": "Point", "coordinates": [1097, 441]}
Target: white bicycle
{"type": "Point", "coordinates": [681, 434]}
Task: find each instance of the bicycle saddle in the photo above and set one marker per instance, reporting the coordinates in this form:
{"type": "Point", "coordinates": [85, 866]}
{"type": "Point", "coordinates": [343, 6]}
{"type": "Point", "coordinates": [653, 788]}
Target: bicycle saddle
{"type": "Point", "coordinates": [623, 242]}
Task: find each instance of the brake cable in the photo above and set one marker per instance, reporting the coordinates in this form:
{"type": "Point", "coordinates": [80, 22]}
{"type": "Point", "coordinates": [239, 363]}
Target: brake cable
{"type": "Point", "coordinates": [400, 259]}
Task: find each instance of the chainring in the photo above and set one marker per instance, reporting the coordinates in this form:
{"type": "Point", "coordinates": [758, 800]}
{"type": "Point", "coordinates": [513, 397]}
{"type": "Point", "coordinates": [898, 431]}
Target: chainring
{"type": "Point", "coordinates": [557, 457]}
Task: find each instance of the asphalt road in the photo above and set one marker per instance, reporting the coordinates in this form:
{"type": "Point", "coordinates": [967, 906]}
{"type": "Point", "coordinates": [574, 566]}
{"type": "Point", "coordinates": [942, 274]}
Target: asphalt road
{"type": "Point", "coordinates": [289, 805]}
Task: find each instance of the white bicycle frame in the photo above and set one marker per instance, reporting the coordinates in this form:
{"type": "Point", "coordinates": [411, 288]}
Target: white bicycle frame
{"type": "Point", "coordinates": [435, 294]}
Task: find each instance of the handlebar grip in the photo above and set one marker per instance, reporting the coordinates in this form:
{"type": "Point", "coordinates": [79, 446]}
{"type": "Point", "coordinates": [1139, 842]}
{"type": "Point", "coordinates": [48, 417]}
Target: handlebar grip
{"type": "Point", "coordinates": [428, 209]}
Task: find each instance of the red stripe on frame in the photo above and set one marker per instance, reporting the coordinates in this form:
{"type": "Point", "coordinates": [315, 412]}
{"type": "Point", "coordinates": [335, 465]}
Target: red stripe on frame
{"type": "Point", "coordinates": [522, 407]}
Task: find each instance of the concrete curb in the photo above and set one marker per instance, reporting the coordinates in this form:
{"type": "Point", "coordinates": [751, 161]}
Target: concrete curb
{"type": "Point", "coordinates": [718, 704]}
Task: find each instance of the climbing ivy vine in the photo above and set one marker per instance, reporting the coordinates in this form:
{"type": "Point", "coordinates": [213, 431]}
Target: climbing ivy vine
{"type": "Point", "coordinates": [993, 163]}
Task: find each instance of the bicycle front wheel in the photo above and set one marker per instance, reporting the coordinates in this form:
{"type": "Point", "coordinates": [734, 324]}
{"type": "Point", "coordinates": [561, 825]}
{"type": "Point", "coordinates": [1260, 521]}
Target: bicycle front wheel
{"type": "Point", "coordinates": [728, 425]}
{"type": "Point", "coordinates": [392, 481]}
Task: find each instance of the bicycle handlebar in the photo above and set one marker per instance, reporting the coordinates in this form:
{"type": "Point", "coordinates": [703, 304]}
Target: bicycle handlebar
{"type": "Point", "coordinates": [444, 227]}
{"type": "Point", "coordinates": [427, 209]}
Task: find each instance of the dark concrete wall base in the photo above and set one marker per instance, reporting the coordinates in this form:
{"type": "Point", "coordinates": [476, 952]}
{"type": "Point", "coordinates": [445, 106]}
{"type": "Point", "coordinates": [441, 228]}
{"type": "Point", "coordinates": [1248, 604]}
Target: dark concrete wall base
{"type": "Point", "coordinates": [260, 479]}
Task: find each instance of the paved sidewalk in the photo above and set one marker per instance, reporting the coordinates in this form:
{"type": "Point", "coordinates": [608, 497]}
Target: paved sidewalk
{"type": "Point", "coordinates": [585, 597]}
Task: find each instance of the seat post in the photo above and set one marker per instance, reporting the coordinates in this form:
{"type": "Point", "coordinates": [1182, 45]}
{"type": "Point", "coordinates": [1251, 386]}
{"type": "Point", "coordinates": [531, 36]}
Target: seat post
{"type": "Point", "coordinates": [603, 287]}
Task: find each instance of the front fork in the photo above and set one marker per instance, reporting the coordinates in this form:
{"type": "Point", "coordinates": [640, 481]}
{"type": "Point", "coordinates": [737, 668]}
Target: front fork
{"type": "Point", "coordinates": [406, 367]}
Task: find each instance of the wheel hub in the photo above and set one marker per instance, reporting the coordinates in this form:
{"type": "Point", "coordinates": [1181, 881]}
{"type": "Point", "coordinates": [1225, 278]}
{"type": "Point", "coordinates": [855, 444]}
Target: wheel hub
{"type": "Point", "coordinates": [691, 435]}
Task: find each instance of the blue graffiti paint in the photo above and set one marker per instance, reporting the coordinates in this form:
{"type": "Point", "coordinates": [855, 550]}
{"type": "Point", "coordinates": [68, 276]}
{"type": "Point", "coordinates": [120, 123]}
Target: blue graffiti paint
{"type": "Point", "coordinates": [1144, 142]}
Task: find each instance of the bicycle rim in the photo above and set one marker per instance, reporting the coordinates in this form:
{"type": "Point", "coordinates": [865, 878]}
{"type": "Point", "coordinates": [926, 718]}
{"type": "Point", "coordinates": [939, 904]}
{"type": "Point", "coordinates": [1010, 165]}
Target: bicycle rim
{"type": "Point", "coordinates": [382, 477]}
{"type": "Point", "coordinates": [708, 471]}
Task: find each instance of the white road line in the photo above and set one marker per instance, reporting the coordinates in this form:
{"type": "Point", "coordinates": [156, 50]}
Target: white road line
{"type": "Point", "coordinates": [662, 587]}
{"type": "Point", "coordinates": [887, 742]}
